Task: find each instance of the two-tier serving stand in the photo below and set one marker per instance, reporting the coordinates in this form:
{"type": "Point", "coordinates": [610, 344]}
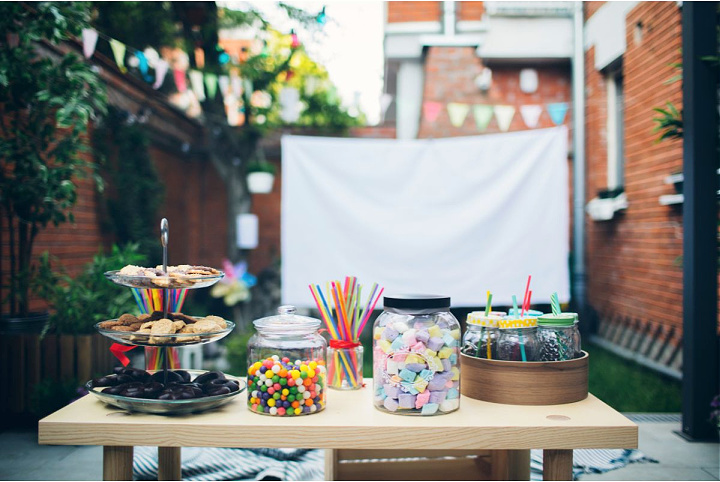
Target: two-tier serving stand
{"type": "Point", "coordinates": [165, 342]}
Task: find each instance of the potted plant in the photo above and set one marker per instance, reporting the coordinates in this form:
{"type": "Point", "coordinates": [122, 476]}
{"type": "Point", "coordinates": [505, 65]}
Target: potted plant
{"type": "Point", "coordinates": [47, 99]}
{"type": "Point", "coordinates": [260, 176]}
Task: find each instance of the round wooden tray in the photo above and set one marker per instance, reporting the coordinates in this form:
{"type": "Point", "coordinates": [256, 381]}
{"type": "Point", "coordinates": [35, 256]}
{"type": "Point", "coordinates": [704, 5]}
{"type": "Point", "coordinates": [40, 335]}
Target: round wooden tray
{"type": "Point", "coordinates": [525, 383]}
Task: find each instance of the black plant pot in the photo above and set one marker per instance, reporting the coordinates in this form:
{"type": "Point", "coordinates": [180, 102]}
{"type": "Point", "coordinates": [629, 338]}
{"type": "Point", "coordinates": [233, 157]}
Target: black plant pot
{"type": "Point", "coordinates": [34, 322]}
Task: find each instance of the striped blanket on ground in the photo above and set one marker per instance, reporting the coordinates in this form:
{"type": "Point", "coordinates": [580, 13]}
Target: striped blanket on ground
{"type": "Point", "coordinates": [591, 461]}
{"type": "Point", "coordinates": [203, 463]}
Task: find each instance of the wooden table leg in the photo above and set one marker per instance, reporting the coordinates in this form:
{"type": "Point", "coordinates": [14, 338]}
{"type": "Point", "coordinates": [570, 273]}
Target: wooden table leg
{"type": "Point", "coordinates": [169, 463]}
{"type": "Point", "coordinates": [557, 464]}
{"type": "Point", "coordinates": [510, 464]}
{"type": "Point", "coordinates": [117, 463]}
{"type": "Point", "coordinates": [331, 464]}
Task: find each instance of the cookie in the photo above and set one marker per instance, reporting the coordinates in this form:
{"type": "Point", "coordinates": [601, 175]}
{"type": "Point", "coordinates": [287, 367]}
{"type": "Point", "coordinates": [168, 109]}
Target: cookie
{"type": "Point", "coordinates": [136, 326]}
{"type": "Point", "coordinates": [217, 320]}
{"type": "Point", "coordinates": [163, 327]}
{"type": "Point", "coordinates": [187, 329]}
{"type": "Point", "coordinates": [179, 324]}
{"type": "Point", "coordinates": [179, 316]}
{"type": "Point", "coordinates": [127, 319]}
{"type": "Point", "coordinates": [206, 326]}
{"type": "Point", "coordinates": [147, 325]}
{"type": "Point", "coordinates": [144, 317]}
{"type": "Point", "coordinates": [121, 328]}
{"type": "Point", "coordinates": [106, 325]}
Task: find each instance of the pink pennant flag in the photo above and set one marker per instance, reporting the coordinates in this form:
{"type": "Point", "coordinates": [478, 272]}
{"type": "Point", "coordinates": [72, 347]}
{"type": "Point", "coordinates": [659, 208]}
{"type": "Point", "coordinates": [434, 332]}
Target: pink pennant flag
{"type": "Point", "coordinates": [161, 68]}
{"type": "Point", "coordinates": [180, 80]}
{"type": "Point", "coordinates": [89, 37]}
{"type": "Point", "coordinates": [431, 110]}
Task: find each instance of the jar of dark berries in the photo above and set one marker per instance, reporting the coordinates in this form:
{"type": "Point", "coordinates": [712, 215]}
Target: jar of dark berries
{"type": "Point", "coordinates": [558, 337]}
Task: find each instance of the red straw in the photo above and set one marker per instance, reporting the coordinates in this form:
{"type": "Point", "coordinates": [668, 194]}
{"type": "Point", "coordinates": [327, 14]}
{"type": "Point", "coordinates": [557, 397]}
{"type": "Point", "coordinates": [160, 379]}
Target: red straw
{"type": "Point", "coordinates": [525, 304]}
{"type": "Point", "coordinates": [528, 303]}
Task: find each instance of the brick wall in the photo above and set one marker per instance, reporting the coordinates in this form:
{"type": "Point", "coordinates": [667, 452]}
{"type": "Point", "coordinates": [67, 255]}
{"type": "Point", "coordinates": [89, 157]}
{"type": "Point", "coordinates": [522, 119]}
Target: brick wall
{"type": "Point", "coordinates": [450, 77]}
{"type": "Point", "coordinates": [195, 200]}
{"type": "Point", "coordinates": [469, 11]}
{"type": "Point", "coordinates": [414, 11]}
{"type": "Point", "coordinates": [632, 261]}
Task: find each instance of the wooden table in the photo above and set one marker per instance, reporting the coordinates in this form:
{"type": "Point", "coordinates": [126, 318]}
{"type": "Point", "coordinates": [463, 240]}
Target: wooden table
{"type": "Point", "coordinates": [349, 422]}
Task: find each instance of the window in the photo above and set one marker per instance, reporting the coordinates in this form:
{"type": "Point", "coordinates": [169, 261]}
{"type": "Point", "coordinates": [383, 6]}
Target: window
{"type": "Point", "coordinates": [615, 132]}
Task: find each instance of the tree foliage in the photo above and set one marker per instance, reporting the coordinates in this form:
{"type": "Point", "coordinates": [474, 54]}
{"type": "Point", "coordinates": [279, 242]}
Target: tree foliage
{"type": "Point", "coordinates": [46, 103]}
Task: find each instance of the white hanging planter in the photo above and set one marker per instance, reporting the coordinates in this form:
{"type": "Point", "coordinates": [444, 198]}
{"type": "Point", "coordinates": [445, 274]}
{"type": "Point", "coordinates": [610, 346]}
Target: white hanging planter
{"type": "Point", "coordinates": [260, 182]}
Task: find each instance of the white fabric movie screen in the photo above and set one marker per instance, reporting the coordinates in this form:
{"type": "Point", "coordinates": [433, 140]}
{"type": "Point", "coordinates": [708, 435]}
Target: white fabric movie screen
{"type": "Point", "coordinates": [454, 216]}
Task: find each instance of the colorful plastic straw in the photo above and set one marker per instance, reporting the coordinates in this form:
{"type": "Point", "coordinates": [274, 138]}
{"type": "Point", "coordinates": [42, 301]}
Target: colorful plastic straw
{"type": "Point", "coordinates": [149, 300]}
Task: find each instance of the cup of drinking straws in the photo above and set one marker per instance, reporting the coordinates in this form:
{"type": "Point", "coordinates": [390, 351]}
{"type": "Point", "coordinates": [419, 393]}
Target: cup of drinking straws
{"type": "Point", "coordinates": [345, 316]}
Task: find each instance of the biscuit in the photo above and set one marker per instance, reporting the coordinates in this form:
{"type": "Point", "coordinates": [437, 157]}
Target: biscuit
{"type": "Point", "coordinates": [136, 326]}
{"type": "Point", "coordinates": [106, 325]}
{"type": "Point", "coordinates": [121, 328]}
{"type": "Point", "coordinates": [147, 325]}
{"type": "Point", "coordinates": [163, 327]}
{"type": "Point", "coordinates": [127, 319]}
{"type": "Point", "coordinates": [206, 326]}
{"type": "Point", "coordinates": [217, 320]}
{"type": "Point", "coordinates": [179, 324]}
{"type": "Point", "coordinates": [144, 317]}
{"type": "Point", "coordinates": [179, 316]}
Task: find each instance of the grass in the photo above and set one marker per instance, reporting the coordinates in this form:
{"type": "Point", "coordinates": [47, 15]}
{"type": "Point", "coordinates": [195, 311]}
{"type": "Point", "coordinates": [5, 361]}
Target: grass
{"type": "Point", "coordinates": [629, 387]}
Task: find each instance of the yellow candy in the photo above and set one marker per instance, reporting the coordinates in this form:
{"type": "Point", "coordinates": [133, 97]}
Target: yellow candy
{"type": "Point", "coordinates": [295, 373]}
{"type": "Point", "coordinates": [455, 334]}
{"type": "Point", "coordinates": [456, 374]}
{"type": "Point", "coordinates": [311, 373]}
{"type": "Point", "coordinates": [303, 368]}
{"type": "Point", "coordinates": [298, 411]}
{"type": "Point", "coordinates": [411, 358]}
{"type": "Point", "coordinates": [435, 331]}
{"type": "Point", "coordinates": [377, 334]}
{"type": "Point", "coordinates": [445, 352]}
{"type": "Point", "coordinates": [385, 346]}
{"type": "Point", "coordinates": [420, 384]}
{"type": "Point", "coordinates": [313, 365]}
{"type": "Point", "coordinates": [271, 402]}
{"type": "Point", "coordinates": [285, 392]}
{"type": "Point", "coordinates": [431, 353]}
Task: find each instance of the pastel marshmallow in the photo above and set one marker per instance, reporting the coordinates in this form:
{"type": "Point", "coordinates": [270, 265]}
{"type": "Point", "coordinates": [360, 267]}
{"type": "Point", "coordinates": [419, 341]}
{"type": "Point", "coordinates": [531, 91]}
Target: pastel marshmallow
{"type": "Point", "coordinates": [418, 347]}
{"type": "Point", "coordinates": [426, 374]}
{"type": "Point", "coordinates": [397, 344]}
{"type": "Point", "coordinates": [389, 333]}
{"type": "Point", "coordinates": [422, 399]}
{"type": "Point", "coordinates": [414, 358]}
{"type": "Point", "coordinates": [407, 375]}
{"type": "Point", "coordinates": [449, 340]}
{"type": "Point", "coordinates": [401, 326]}
{"type": "Point", "coordinates": [437, 383]}
{"type": "Point", "coordinates": [450, 405]}
{"type": "Point", "coordinates": [455, 374]}
{"type": "Point", "coordinates": [385, 346]}
{"type": "Point", "coordinates": [392, 367]}
{"type": "Point", "coordinates": [420, 384]}
{"type": "Point", "coordinates": [435, 331]}
{"type": "Point", "coordinates": [455, 334]}
{"type": "Point", "coordinates": [391, 404]}
{"type": "Point", "coordinates": [442, 324]}
{"type": "Point", "coordinates": [447, 366]}
{"type": "Point", "coordinates": [435, 343]}
{"type": "Point", "coordinates": [430, 408]}
{"type": "Point", "coordinates": [453, 393]}
{"type": "Point", "coordinates": [453, 358]}
{"type": "Point", "coordinates": [409, 337]}
{"type": "Point", "coordinates": [415, 367]}
{"type": "Point", "coordinates": [377, 332]}
{"type": "Point", "coordinates": [422, 335]}
{"type": "Point", "coordinates": [391, 390]}
{"type": "Point", "coordinates": [437, 396]}
{"type": "Point", "coordinates": [407, 400]}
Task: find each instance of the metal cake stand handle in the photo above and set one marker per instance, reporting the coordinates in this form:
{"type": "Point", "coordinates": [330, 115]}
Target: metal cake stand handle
{"type": "Point", "coordinates": [164, 236]}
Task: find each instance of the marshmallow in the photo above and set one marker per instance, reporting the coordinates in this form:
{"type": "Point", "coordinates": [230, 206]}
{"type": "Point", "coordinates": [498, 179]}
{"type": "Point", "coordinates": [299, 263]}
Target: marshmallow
{"type": "Point", "coordinates": [391, 391]}
{"type": "Point", "coordinates": [406, 400]}
{"type": "Point", "coordinates": [391, 404]}
{"type": "Point", "coordinates": [422, 399]}
{"type": "Point", "coordinates": [422, 335]}
{"type": "Point", "coordinates": [435, 331]}
{"type": "Point", "coordinates": [430, 408]}
{"type": "Point", "coordinates": [438, 396]}
{"type": "Point", "coordinates": [392, 367]}
{"type": "Point", "coordinates": [389, 333]}
{"type": "Point", "coordinates": [453, 393]}
{"type": "Point", "coordinates": [435, 343]}
{"type": "Point", "coordinates": [401, 326]}
{"type": "Point", "coordinates": [407, 375]}
{"type": "Point", "coordinates": [450, 405]}
{"type": "Point", "coordinates": [445, 352]}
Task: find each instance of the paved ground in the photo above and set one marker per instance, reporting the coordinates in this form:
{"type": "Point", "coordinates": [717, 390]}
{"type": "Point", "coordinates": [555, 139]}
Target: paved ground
{"type": "Point", "coordinates": [24, 459]}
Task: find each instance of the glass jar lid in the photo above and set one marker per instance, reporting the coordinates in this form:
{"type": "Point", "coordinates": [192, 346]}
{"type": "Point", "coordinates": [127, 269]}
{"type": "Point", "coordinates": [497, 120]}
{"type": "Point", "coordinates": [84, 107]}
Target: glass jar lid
{"type": "Point", "coordinates": [562, 319]}
{"type": "Point", "coordinates": [478, 318]}
{"type": "Point", "coordinates": [517, 322]}
{"type": "Point", "coordinates": [417, 303]}
{"type": "Point", "coordinates": [286, 321]}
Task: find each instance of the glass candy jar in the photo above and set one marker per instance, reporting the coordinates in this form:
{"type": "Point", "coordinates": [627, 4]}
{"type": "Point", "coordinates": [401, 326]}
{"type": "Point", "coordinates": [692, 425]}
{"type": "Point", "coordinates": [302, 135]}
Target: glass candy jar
{"type": "Point", "coordinates": [416, 343]}
{"type": "Point", "coordinates": [480, 338]}
{"type": "Point", "coordinates": [286, 365]}
{"type": "Point", "coordinates": [558, 337]}
{"type": "Point", "coordinates": [517, 340]}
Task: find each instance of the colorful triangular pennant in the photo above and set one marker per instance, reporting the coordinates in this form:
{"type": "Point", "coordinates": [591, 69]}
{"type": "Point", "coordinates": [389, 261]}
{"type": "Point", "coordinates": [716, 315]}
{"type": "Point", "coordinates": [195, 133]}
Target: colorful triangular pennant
{"type": "Point", "coordinates": [161, 68]}
{"type": "Point", "coordinates": [483, 115]}
{"type": "Point", "coordinates": [224, 84]}
{"type": "Point", "coordinates": [557, 112]}
{"type": "Point", "coordinates": [180, 80]}
{"type": "Point", "coordinates": [196, 81]}
{"type": "Point", "coordinates": [211, 83]}
{"type": "Point", "coordinates": [504, 115]}
{"type": "Point", "coordinates": [118, 49]}
{"type": "Point", "coordinates": [431, 110]}
{"type": "Point", "coordinates": [531, 115]}
{"type": "Point", "coordinates": [457, 113]}
{"type": "Point", "coordinates": [89, 38]}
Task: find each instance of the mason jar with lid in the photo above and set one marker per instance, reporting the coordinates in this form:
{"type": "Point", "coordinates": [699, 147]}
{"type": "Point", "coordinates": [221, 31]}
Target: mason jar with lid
{"type": "Point", "coordinates": [558, 337]}
{"type": "Point", "coordinates": [286, 365]}
{"type": "Point", "coordinates": [416, 343]}
{"type": "Point", "coordinates": [517, 340]}
{"type": "Point", "coordinates": [480, 338]}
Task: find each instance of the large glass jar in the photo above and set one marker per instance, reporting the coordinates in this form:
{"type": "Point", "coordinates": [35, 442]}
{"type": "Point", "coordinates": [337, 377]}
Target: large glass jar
{"type": "Point", "coordinates": [480, 338]}
{"type": "Point", "coordinates": [559, 337]}
{"type": "Point", "coordinates": [517, 340]}
{"type": "Point", "coordinates": [286, 365]}
{"type": "Point", "coordinates": [416, 343]}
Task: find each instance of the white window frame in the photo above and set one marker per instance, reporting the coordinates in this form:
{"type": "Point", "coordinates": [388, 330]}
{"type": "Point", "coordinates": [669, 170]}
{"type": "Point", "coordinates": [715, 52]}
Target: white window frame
{"type": "Point", "coordinates": [615, 130]}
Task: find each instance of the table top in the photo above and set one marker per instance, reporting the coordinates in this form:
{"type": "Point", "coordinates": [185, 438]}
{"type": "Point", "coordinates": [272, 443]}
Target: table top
{"type": "Point", "coordinates": [350, 421]}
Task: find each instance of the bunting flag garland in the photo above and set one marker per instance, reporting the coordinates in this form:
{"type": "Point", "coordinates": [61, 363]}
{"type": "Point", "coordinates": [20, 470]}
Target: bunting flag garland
{"type": "Point", "coordinates": [199, 58]}
{"type": "Point", "coordinates": [89, 38]}
{"type": "Point", "coordinates": [457, 113]}
{"type": "Point", "coordinates": [211, 83]}
{"type": "Point", "coordinates": [483, 115]}
{"type": "Point", "coordinates": [237, 85]}
{"type": "Point", "coordinates": [180, 81]}
{"type": "Point", "coordinates": [557, 112]}
{"type": "Point", "coordinates": [196, 81]}
{"type": "Point", "coordinates": [431, 110]}
{"type": "Point", "coordinates": [504, 115]}
{"type": "Point", "coordinates": [118, 49]}
{"type": "Point", "coordinates": [161, 68]}
{"type": "Point", "coordinates": [143, 66]}
{"type": "Point", "coordinates": [531, 115]}
{"type": "Point", "coordinates": [224, 84]}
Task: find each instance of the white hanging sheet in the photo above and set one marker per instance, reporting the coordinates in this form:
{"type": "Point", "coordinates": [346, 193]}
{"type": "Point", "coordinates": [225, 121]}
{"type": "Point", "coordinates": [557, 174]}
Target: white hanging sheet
{"type": "Point", "coordinates": [455, 216]}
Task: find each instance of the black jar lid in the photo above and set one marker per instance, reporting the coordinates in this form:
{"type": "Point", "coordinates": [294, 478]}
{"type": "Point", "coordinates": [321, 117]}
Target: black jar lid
{"type": "Point", "coordinates": [417, 302]}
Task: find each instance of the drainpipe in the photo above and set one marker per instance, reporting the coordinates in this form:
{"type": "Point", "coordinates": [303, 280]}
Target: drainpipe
{"type": "Point", "coordinates": [578, 97]}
